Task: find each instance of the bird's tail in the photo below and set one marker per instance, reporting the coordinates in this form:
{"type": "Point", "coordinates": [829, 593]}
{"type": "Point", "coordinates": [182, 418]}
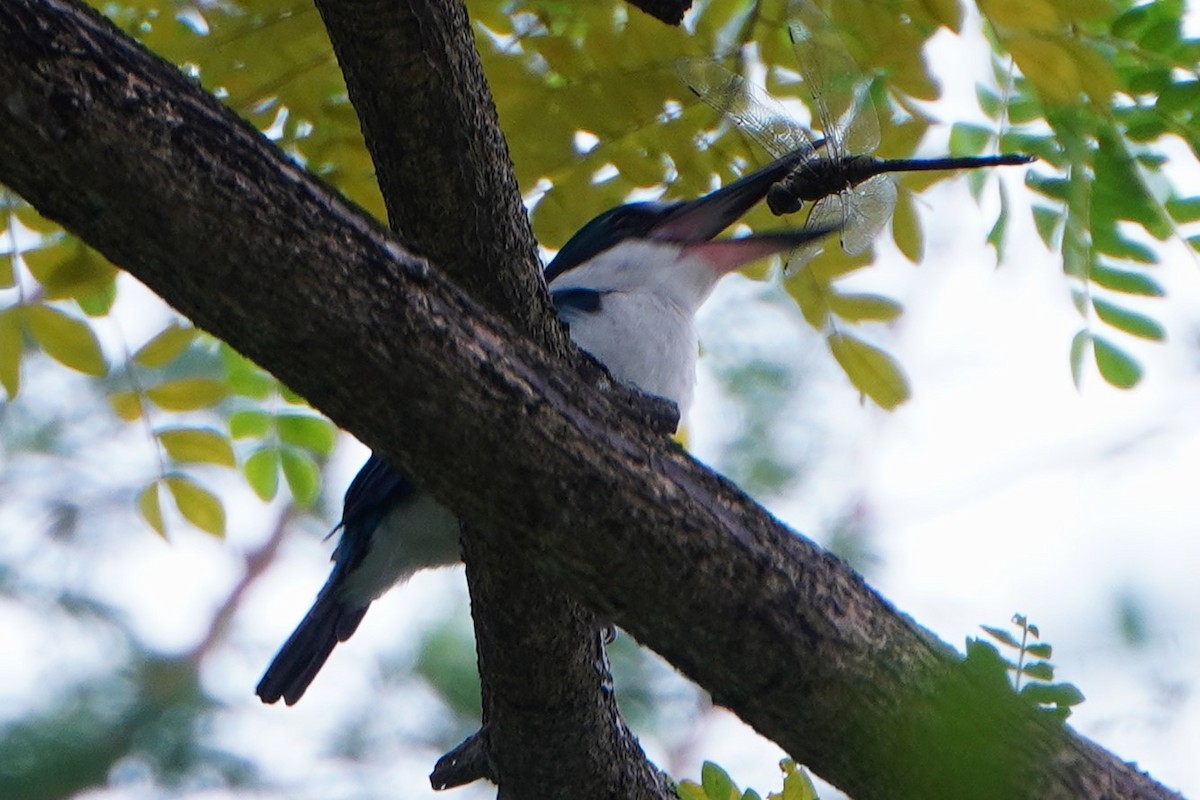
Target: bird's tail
{"type": "Point", "coordinates": [328, 622]}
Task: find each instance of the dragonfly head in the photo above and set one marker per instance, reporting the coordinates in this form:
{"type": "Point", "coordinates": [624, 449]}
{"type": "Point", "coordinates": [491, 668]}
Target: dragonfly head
{"type": "Point", "coordinates": [781, 199]}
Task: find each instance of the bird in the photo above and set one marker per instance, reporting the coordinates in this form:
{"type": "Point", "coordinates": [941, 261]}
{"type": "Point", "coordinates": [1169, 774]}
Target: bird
{"type": "Point", "coordinates": [627, 285]}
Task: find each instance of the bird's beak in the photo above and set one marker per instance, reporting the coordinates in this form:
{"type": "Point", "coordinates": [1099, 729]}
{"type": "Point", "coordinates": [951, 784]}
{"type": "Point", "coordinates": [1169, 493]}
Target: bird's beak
{"type": "Point", "coordinates": [702, 219]}
{"type": "Point", "coordinates": [726, 255]}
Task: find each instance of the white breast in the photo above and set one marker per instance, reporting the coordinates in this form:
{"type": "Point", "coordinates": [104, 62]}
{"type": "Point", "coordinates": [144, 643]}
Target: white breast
{"type": "Point", "coordinates": [643, 331]}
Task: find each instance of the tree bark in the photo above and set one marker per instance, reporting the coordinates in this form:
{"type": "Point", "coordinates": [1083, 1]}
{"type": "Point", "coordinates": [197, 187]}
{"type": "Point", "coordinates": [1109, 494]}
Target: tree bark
{"type": "Point", "coordinates": [124, 151]}
{"type": "Point", "coordinates": [552, 727]}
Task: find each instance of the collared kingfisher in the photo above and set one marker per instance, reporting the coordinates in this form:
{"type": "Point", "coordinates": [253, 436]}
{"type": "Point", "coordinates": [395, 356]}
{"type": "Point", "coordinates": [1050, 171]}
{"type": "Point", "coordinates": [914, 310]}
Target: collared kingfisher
{"type": "Point", "coordinates": [627, 285]}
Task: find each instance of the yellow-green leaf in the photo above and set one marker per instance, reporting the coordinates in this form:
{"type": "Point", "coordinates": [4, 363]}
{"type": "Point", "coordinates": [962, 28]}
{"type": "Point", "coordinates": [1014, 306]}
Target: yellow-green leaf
{"type": "Point", "coordinates": [151, 509]}
{"type": "Point", "coordinates": [947, 12]}
{"type": "Point", "coordinates": [197, 445]}
{"type": "Point", "coordinates": [244, 376]}
{"type": "Point", "coordinates": [796, 783]}
{"type": "Point", "coordinates": [249, 424]}
{"type": "Point", "coordinates": [717, 783]}
{"type": "Point", "coordinates": [1048, 66]}
{"type": "Point", "coordinates": [67, 340]}
{"type": "Point", "coordinates": [689, 790]}
{"type": "Point", "coordinates": [165, 347]}
{"type": "Point", "coordinates": [198, 506]}
{"type": "Point", "coordinates": [863, 307]}
{"type": "Point", "coordinates": [906, 229]}
{"type": "Point", "coordinates": [303, 477]}
{"type": "Point", "coordinates": [262, 472]}
{"type": "Point", "coordinates": [811, 295]}
{"type": "Point", "coordinates": [307, 431]}
{"type": "Point", "coordinates": [872, 371]}
{"type": "Point", "coordinates": [10, 350]}
{"type": "Point", "coordinates": [188, 394]}
{"type": "Point", "coordinates": [127, 405]}
{"type": "Point", "coordinates": [1026, 15]}
{"type": "Point", "coordinates": [70, 271]}
{"type": "Point", "coordinates": [1095, 70]}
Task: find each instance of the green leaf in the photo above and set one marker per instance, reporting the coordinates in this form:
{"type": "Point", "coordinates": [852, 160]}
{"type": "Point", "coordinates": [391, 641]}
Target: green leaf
{"type": "Point", "coordinates": [1081, 345]}
{"type": "Point", "coordinates": [995, 236]}
{"type": "Point", "coordinates": [689, 790]}
{"type": "Point", "coordinates": [67, 340]}
{"type": "Point", "coordinates": [1048, 222]}
{"type": "Point", "coordinates": [188, 394]}
{"type": "Point", "coordinates": [291, 396]}
{"type": "Point", "coordinates": [100, 301]}
{"type": "Point", "coordinates": [969, 140]}
{"type": "Point", "coordinates": [717, 783]}
{"type": "Point", "coordinates": [262, 472]}
{"type": "Point", "coordinates": [1038, 670]}
{"type": "Point", "coordinates": [1061, 694]}
{"type": "Point", "coordinates": [245, 377]}
{"type": "Point", "coordinates": [307, 431]}
{"type": "Point", "coordinates": [857, 307]}
{"type": "Point", "coordinates": [165, 347]}
{"type": "Point", "coordinates": [197, 446]}
{"type": "Point", "coordinates": [150, 508]}
{"type": "Point", "coordinates": [984, 661]}
{"type": "Point", "coordinates": [1001, 635]}
{"type": "Point", "coordinates": [303, 476]}
{"type": "Point", "coordinates": [1039, 650]}
{"type": "Point", "coordinates": [10, 350]}
{"type": "Point", "coordinates": [872, 371]}
{"type": "Point", "coordinates": [1116, 366]}
{"type": "Point", "coordinates": [1128, 321]}
{"type": "Point", "coordinates": [1125, 281]}
{"type": "Point", "coordinates": [796, 783]}
{"type": "Point", "coordinates": [1184, 209]}
{"type": "Point", "coordinates": [249, 424]}
{"type": "Point", "coordinates": [198, 506]}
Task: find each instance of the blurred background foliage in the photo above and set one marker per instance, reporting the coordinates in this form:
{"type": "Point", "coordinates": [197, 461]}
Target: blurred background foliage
{"type": "Point", "coordinates": [595, 113]}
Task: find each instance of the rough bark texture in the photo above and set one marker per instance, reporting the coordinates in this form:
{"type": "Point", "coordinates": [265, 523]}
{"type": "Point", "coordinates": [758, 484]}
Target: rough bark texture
{"type": "Point", "coordinates": [552, 727]}
{"type": "Point", "coordinates": [427, 117]}
{"type": "Point", "coordinates": [124, 151]}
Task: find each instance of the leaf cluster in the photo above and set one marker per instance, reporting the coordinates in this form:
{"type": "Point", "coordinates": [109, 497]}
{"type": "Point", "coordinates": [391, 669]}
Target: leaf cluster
{"type": "Point", "coordinates": [715, 784]}
{"type": "Point", "coordinates": [1032, 673]}
{"type": "Point", "coordinates": [593, 112]}
{"type": "Point", "coordinates": [1095, 89]}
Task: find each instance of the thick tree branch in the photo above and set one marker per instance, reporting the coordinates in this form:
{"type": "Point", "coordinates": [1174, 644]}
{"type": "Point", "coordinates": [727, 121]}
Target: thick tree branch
{"type": "Point", "coordinates": [552, 726]}
{"type": "Point", "coordinates": [443, 166]}
{"type": "Point", "coordinates": [124, 151]}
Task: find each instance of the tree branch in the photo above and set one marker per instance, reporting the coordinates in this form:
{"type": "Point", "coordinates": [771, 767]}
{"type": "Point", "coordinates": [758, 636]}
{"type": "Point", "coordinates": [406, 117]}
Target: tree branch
{"type": "Point", "coordinates": [552, 725]}
{"type": "Point", "coordinates": [123, 150]}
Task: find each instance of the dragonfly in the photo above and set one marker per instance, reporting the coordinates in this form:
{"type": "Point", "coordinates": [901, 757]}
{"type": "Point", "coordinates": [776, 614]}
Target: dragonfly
{"type": "Point", "coordinates": [844, 183]}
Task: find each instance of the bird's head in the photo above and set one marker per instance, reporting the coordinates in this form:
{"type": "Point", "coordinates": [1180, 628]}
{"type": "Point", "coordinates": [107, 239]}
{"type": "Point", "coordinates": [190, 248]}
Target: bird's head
{"type": "Point", "coordinates": [668, 248]}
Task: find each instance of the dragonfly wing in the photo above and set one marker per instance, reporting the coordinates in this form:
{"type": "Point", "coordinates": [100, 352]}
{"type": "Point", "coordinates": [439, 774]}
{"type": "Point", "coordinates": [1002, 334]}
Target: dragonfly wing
{"type": "Point", "coordinates": [869, 207]}
{"type": "Point", "coordinates": [826, 212]}
{"type": "Point", "coordinates": [754, 111]}
{"type": "Point", "coordinates": [840, 93]}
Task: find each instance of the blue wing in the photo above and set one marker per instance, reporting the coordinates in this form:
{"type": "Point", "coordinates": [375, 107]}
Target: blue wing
{"type": "Point", "coordinates": [377, 489]}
